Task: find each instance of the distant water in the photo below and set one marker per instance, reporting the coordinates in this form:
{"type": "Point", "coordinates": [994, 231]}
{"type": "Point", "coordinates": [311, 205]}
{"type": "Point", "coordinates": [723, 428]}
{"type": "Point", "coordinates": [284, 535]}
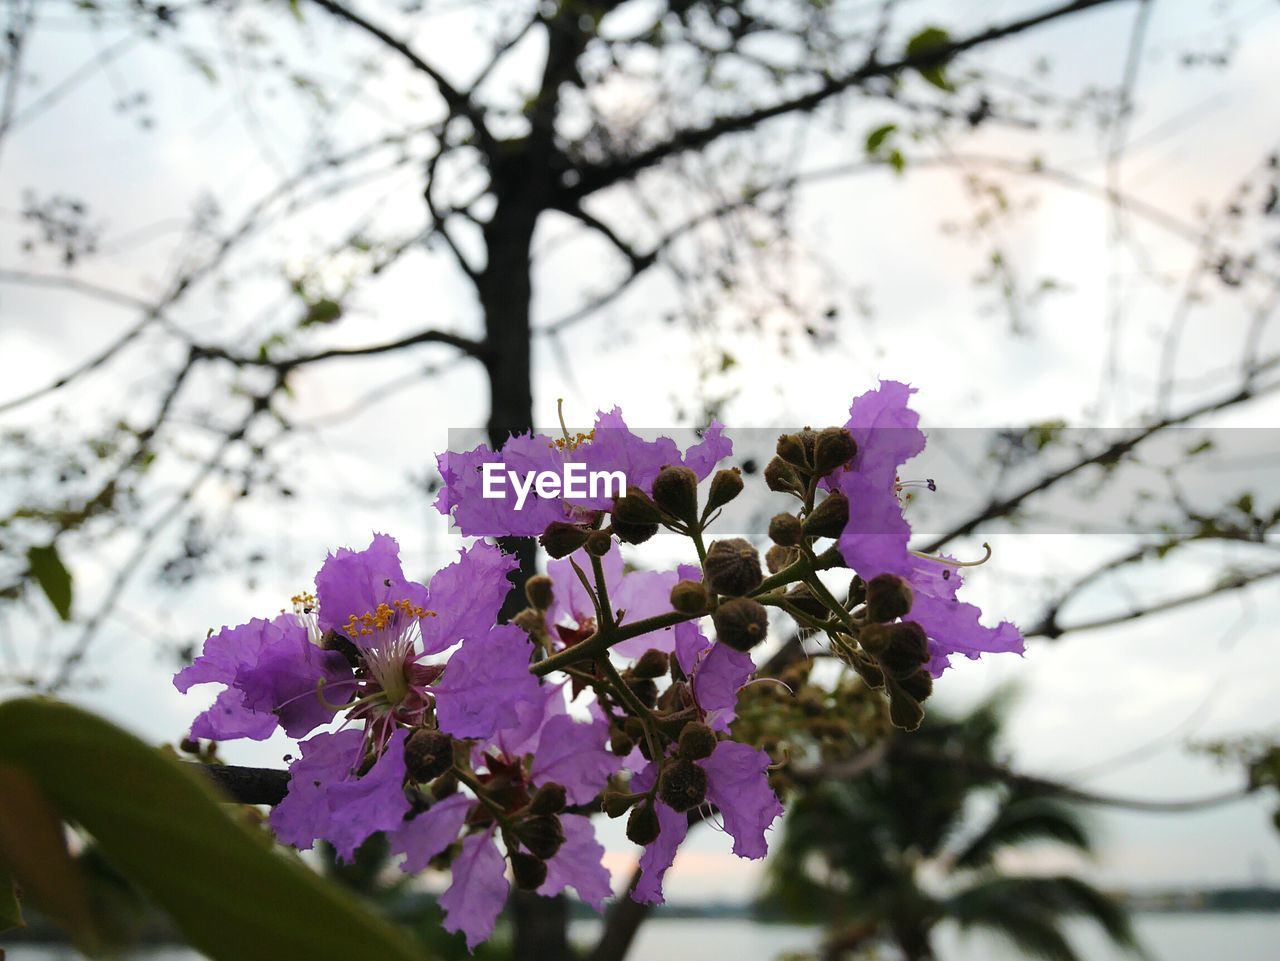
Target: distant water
{"type": "Point", "coordinates": [1168, 937]}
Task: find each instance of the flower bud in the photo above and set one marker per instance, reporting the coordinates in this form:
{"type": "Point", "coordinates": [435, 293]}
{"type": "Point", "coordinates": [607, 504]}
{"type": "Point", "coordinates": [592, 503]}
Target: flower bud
{"type": "Point", "coordinates": [828, 518]}
{"type": "Point", "coordinates": [726, 484]}
{"type": "Point", "coordinates": [561, 538]}
{"type": "Point", "coordinates": [528, 871]}
{"type": "Point", "coordinates": [868, 670]}
{"type": "Point", "coordinates": [792, 449]}
{"type": "Point", "coordinates": [833, 447]}
{"type": "Point", "coordinates": [615, 804]}
{"type": "Point", "coordinates": [635, 507]}
{"type": "Point", "coordinates": [697, 741]}
{"type": "Point", "coordinates": [733, 567]}
{"type": "Point", "coordinates": [802, 598]}
{"type": "Point", "coordinates": [741, 622]}
{"type": "Point", "coordinates": [428, 754]}
{"type": "Point", "coordinates": [620, 742]}
{"type": "Point", "coordinates": [675, 490]}
{"type": "Point", "coordinates": [781, 477]}
{"type": "Point", "coordinates": [908, 649]}
{"type": "Point", "coordinates": [541, 835]}
{"type": "Point", "coordinates": [875, 638]}
{"type": "Point", "coordinates": [904, 710]}
{"type": "Point", "coordinates": [786, 530]}
{"type": "Point", "coordinates": [444, 786]}
{"type": "Point", "coordinates": [548, 799]}
{"type": "Point", "coordinates": [598, 543]}
{"type": "Point", "coordinates": [652, 663]}
{"type": "Point", "coordinates": [889, 597]}
{"type": "Point", "coordinates": [644, 688]}
{"type": "Point", "coordinates": [683, 785]}
{"type": "Point", "coordinates": [689, 597]}
{"type": "Point", "coordinates": [778, 557]}
{"type": "Point", "coordinates": [538, 591]}
{"type": "Point", "coordinates": [642, 826]}
{"type": "Point", "coordinates": [919, 685]}
{"type": "Point", "coordinates": [633, 533]}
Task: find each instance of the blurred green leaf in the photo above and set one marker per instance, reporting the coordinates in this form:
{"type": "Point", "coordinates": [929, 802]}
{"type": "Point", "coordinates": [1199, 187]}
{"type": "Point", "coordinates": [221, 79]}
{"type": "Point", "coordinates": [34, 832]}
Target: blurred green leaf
{"type": "Point", "coordinates": [927, 40]}
{"type": "Point", "coordinates": [52, 576]}
{"type": "Point", "coordinates": [323, 311]}
{"type": "Point", "coordinates": [162, 827]}
{"type": "Point", "coordinates": [877, 137]}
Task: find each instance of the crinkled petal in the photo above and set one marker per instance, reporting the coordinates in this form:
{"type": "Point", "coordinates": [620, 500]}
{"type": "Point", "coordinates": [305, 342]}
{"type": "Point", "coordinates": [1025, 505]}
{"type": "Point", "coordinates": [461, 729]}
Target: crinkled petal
{"type": "Point", "coordinates": [738, 785]}
{"type": "Point", "coordinates": [578, 864]}
{"type": "Point", "coordinates": [356, 582]}
{"type": "Point", "coordinates": [479, 889]}
{"type": "Point", "coordinates": [224, 654]}
{"type": "Point", "coordinates": [462, 495]}
{"type": "Point", "coordinates": [886, 429]}
{"type": "Point", "coordinates": [466, 596]}
{"type": "Point", "coordinates": [326, 760]}
{"type": "Point", "coordinates": [575, 755]}
{"type": "Point", "coordinates": [371, 803]}
{"type": "Point", "coordinates": [702, 458]}
{"type": "Point", "coordinates": [426, 835]}
{"type": "Point", "coordinates": [484, 682]}
{"type": "Point", "coordinates": [229, 718]}
{"type": "Point", "coordinates": [289, 676]}
{"type": "Point", "coordinates": [717, 678]}
{"type": "Point", "coordinates": [953, 626]}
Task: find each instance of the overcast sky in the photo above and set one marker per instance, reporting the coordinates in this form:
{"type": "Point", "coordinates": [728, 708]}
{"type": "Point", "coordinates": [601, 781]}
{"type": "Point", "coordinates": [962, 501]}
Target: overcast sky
{"type": "Point", "coordinates": [1087, 702]}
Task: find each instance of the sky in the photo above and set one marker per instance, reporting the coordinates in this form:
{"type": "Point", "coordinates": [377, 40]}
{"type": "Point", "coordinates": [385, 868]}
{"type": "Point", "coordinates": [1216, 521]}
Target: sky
{"type": "Point", "coordinates": [1111, 708]}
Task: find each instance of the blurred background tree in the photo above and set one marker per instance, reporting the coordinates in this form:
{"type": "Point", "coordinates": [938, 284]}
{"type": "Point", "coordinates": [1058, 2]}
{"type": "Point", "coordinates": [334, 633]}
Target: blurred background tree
{"type": "Point", "coordinates": [885, 857]}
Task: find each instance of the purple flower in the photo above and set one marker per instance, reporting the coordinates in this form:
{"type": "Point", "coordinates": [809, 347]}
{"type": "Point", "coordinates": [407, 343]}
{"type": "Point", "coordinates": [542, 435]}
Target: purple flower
{"type": "Point", "coordinates": [738, 786]}
{"type": "Point", "coordinates": [875, 540]}
{"type": "Point", "coordinates": [716, 671]}
{"type": "Point", "coordinates": [578, 864]}
{"type": "Point", "coordinates": [633, 595]}
{"type": "Point", "coordinates": [575, 755]}
{"type": "Point", "coordinates": [428, 834]}
{"type": "Point", "coordinates": [484, 683]}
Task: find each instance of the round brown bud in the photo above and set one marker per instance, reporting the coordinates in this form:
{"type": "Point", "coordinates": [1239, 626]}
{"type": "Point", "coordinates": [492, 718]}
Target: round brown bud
{"type": "Point", "coordinates": [781, 477]}
{"type": "Point", "coordinates": [561, 538]}
{"type": "Point", "coordinates": [919, 685]}
{"type": "Point", "coordinates": [741, 622]}
{"type": "Point", "coordinates": [598, 543]}
{"type": "Point", "coordinates": [633, 533]}
{"type": "Point", "coordinates": [675, 490]}
{"type": "Point", "coordinates": [689, 597]}
{"type": "Point", "coordinates": [908, 649]}
{"type": "Point", "coordinates": [889, 597]}
{"type": "Point", "coordinates": [538, 591]}
{"type": "Point", "coordinates": [875, 638]}
{"type": "Point", "coordinates": [652, 664]}
{"type": "Point", "coordinates": [904, 710]}
{"type": "Point", "coordinates": [644, 688]}
{"type": "Point", "coordinates": [620, 742]}
{"type": "Point", "coordinates": [697, 741]}
{"type": "Point", "coordinates": [832, 447]}
{"type": "Point", "coordinates": [635, 507]}
{"type": "Point", "coordinates": [828, 518]}
{"type": "Point", "coordinates": [541, 835]}
{"type": "Point", "coordinates": [683, 785]}
{"type": "Point", "coordinates": [791, 448]}
{"type": "Point", "coordinates": [528, 872]}
{"type": "Point", "coordinates": [778, 557]}
{"type": "Point", "coordinates": [548, 799]}
{"type": "Point", "coordinates": [428, 754]}
{"type": "Point", "coordinates": [642, 826]}
{"type": "Point", "coordinates": [786, 530]}
{"type": "Point", "coordinates": [615, 805]}
{"type": "Point", "coordinates": [726, 484]}
{"type": "Point", "coordinates": [733, 567]}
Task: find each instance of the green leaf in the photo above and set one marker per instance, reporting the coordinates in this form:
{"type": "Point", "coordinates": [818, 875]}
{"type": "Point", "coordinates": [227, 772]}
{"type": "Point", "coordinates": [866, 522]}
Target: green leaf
{"type": "Point", "coordinates": [52, 576]}
{"type": "Point", "coordinates": [162, 827]}
{"type": "Point", "coordinates": [897, 161]}
{"type": "Point", "coordinates": [919, 46]}
{"type": "Point", "coordinates": [320, 312]}
{"type": "Point", "coordinates": [877, 137]}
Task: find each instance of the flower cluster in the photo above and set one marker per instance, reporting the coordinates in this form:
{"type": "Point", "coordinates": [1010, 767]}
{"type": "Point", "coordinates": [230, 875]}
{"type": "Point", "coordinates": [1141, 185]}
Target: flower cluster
{"type": "Point", "coordinates": [485, 747]}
